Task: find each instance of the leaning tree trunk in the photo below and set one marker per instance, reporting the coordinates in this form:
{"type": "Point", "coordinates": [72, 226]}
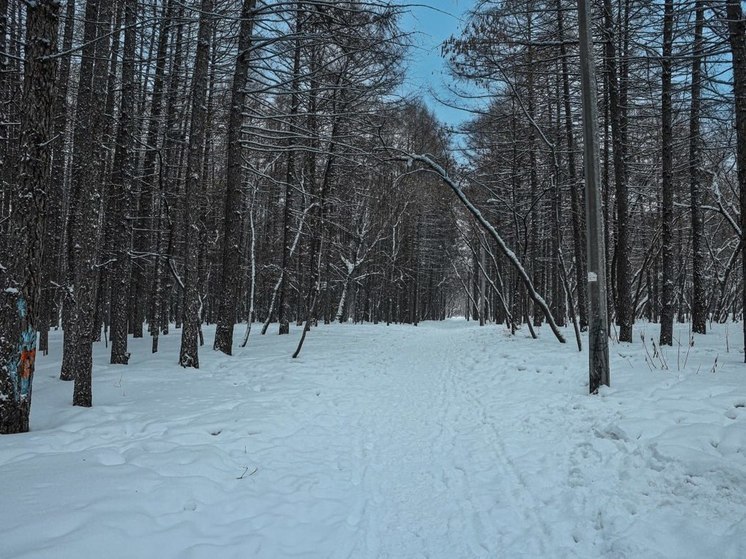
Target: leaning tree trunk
{"type": "Point", "coordinates": [19, 300]}
{"type": "Point", "coordinates": [523, 276]}
{"type": "Point", "coordinates": [233, 215]}
{"type": "Point", "coordinates": [737, 35]}
{"type": "Point", "coordinates": [188, 354]}
{"type": "Point", "coordinates": [318, 236]}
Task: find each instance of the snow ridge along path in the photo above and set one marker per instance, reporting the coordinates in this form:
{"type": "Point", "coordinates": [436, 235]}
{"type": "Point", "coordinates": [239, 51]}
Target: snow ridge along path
{"type": "Point", "coordinates": [443, 441]}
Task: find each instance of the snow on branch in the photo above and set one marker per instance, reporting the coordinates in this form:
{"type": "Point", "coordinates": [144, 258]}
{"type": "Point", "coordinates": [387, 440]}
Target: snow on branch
{"type": "Point", "coordinates": [435, 167]}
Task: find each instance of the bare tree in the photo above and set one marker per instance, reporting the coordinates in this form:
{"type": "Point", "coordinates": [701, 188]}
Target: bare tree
{"type": "Point", "coordinates": [122, 181]}
{"type": "Point", "coordinates": [189, 353]}
{"type": "Point", "coordinates": [737, 37]}
{"type": "Point", "coordinates": [667, 217]}
{"type": "Point", "coordinates": [20, 298]}
{"type": "Point", "coordinates": [699, 302]}
{"type": "Point", "coordinates": [233, 216]}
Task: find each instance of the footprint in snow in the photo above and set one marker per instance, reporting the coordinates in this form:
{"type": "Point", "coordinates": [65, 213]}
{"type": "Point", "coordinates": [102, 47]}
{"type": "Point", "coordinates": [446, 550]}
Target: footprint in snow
{"type": "Point", "coordinates": [110, 458]}
{"type": "Point", "coordinates": [733, 413]}
{"type": "Point", "coordinates": [189, 506]}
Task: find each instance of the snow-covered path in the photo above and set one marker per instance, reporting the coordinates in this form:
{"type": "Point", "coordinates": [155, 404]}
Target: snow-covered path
{"type": "Point", "coordinates": [438, 471]}
{"type": "Point", "coordinates": [443, 441]}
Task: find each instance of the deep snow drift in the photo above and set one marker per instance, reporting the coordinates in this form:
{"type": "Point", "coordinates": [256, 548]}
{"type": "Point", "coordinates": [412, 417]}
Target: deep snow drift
{"type": "Point", "coordinates": [445, 440]}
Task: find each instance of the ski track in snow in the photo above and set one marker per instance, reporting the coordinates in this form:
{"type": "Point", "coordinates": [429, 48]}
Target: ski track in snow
{"type": "Point", "coordinates": [442, 441]}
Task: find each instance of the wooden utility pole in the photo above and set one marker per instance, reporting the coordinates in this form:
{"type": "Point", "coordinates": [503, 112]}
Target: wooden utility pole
{"type": "Point", "coordinates": [598, 329]}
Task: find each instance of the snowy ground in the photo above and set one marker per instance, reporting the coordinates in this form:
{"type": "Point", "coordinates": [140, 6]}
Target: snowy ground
{"type": "Point", "coordinates": [445, 441]}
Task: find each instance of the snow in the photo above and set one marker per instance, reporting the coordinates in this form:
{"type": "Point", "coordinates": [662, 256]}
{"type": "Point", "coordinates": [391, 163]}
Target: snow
{"type": "Point", "coordinates": [445, 440]}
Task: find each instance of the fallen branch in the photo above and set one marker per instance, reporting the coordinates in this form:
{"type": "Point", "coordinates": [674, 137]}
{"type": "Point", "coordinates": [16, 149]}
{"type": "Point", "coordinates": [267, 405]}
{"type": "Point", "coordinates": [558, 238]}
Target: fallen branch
{"type": "Point", "coordinates": [243, 475]}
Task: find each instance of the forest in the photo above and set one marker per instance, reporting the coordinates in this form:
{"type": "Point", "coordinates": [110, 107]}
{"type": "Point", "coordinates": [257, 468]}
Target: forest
{"type": "Point", "coordinates": [168, 165]}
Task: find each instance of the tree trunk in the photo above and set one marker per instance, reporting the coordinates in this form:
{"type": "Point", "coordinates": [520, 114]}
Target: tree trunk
{"type": "Point", "coordinates": [189, 352]}
{"type": "Point", "coordinates": [317, 224]}
{"type": "Point", "coordinates": [737, 36]}
{"type": "Point", "coordinates": [284, 302]}
{"type": "Point", "coordinates": [699, 299]}
{"type": "Point", "coordinates": [149, 201]}
{"type": "Point", "coordinates": [577, 212]}
{"type": "Point", "coordinates": [233, 214]}
{"type": "Point", "coordinates": [54, 236]}
{"type": "Point", "coordinates": [19, 300]}
{"type": "Point", "coordinates": [105, 245]}
{"type": "Point", "coordinates": [537, 270]}
{"type": "Point", "coordinates": [624, 313]}
{"type": "Point", "coordinates": [122, 178]}
{"type": "Point", "coordinates": [667, 254]}
{"type": "Point", "coordinates": [167, 178]}
{"type": "Point", "coordinates": [85, 202]}
{"type": "Point", "coordinates": [480, 255]}
{"type": "Point", "coordinates": [79, 164]}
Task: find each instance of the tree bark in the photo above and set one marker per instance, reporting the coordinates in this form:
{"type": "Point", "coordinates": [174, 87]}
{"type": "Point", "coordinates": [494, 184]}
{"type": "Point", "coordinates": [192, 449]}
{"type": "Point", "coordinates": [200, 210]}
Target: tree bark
{"type": "Point", "coordinates": [54, 238]}
{"type": "Point", "coordinates": [19, 301]}
{"type": "Point", "coordinates": [667, 255]}
{"type": "Point", "coordinates": [189, 352]}
{"type": "Point", "coordinates": [122, 179]}
{"type": "Point", "coordinates": [737, 37]}
{"type": "Point", "coordinates": [616, 109]}
{"type": "Point", "coordinates": [167, 178]}
{"type": "Point", "coordinates": [699, 299]}
{"type": "Point", "coordinates": [87, 166]}
{"type": "Point", "coordinates": [233, 213]}
{"type": "Point", "coordinates": [577, 212]}
{"type": "Point", "coordinates": [283, 316]}
{"type": "Point", "coordinates": [81, 160]}
{"type": "Point", "coordinates": [149, 201]}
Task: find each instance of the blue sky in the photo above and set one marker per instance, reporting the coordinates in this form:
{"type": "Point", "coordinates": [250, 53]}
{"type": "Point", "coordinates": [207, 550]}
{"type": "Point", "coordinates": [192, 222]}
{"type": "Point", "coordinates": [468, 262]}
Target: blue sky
{"type": "Point", "coordinates": [433, 21]}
